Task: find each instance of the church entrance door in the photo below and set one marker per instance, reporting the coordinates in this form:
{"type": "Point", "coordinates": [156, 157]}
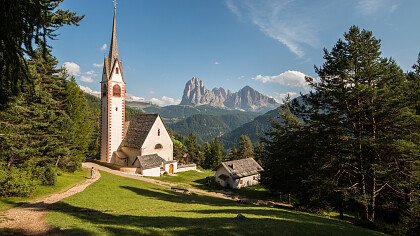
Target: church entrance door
{"type": "Point", "coordinates": [171, 169]}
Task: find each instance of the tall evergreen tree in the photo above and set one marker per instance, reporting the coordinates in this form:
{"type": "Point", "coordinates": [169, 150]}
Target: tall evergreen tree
{"type": "Point", "coordinates": [360, 98]}
{"type": "Point", "coordinates": [246, 150]}
{"type": "Point", "coordinates": [193, 150]}
{"type": "Point", "coordinates": [213, 154]}
{"type": "Point", "coordinates": [25, 24]}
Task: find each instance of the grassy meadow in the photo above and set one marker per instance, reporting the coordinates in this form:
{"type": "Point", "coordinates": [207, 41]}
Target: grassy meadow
{"type": "Point", "coordinates": [119, 206]}
{"type": "Point", "coordinates": [65, 180]}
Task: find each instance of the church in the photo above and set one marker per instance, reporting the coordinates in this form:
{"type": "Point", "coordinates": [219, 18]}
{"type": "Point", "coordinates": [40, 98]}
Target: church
{"type": "Point", "coordinates": [140, 144]}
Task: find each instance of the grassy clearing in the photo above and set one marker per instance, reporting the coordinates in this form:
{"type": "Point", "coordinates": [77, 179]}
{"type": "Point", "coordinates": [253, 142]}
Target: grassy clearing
{"type": "Point", "coordinates": [119, 206]}
{"type": "Point", "coordinates": [198, 180]}
{"type": "Point", "coordinates": [192, 178]}
{"type": "Point", "coordinates": [64, 181]}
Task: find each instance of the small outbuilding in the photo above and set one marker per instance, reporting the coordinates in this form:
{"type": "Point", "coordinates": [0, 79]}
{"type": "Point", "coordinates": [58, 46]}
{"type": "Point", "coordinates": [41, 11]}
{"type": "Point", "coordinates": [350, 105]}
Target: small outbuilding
{"type": "Point", "coordinates": [238, 173]}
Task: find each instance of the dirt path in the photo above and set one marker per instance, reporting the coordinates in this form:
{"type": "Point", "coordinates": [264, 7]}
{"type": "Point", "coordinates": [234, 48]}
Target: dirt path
{"type": "Point", "coordinates": [29, 218]}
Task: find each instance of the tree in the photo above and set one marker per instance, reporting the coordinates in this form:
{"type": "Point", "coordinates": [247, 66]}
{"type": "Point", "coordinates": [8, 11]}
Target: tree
{"type": "Point", "coordinates": [213, 154]}
{"type": "Point", "coordinates": [259, 152]}
{"type": "Point", "coordinates": [193, 150]}
{"type": "Point", "coordinates": [81, 126]}
{"type": "Point", "coordinates": [246, 149]}
{"type": "Point", "coordinates": [232, 154]}
{"type": "Point", "coordinates": [25, 24]}
{"type": "Point", "coordinates": [360, 98]}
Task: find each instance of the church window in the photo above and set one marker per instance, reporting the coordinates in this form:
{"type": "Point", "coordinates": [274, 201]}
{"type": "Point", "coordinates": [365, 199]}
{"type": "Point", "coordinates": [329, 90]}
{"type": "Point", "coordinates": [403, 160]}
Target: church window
{"type": "Point", "coordinates": [158, 146]}
{"type": "Point", "coordinates": [116, 70]}
{"type": "Point", "coordinates": [116, 109]}
{"type": "Point", "coordinates": [116, 91]}
{"type": "Point", "coordinates": [158, 132]}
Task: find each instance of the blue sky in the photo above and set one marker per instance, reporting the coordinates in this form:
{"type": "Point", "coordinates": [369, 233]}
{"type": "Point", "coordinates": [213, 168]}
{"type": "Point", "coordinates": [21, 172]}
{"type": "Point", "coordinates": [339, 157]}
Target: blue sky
{"type": "Point", "coordinates": [268, 45]}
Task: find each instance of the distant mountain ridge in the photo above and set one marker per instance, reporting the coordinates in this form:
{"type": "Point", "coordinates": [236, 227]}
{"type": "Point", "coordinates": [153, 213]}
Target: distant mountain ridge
{"type": "Point", "coordinates": [247, 99]}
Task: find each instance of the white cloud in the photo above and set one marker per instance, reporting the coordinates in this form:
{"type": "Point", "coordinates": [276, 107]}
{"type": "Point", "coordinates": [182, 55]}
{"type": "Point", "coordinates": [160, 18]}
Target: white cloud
{"type": "Point", "coordinates": [288, 78]}
{"type": "Point", "coordinates": [165, 101]}
{"type": "Point", "coordinates": [370, 7]}
{"type": "Point", "coordinates": [97, 65]}
{"type": "Point", "coordinates": [279, 97]}
{"type": "Point", "coordinates": [91, 72]}
{"type": "Point", "coordinates": [72, 68]}
{"type": "Point", "coordinates": [90, 91]}
{"type": "Point", "coordinates": [87, 79]}
{"type": "Point", "coordinates": [103, 48]}
{"type": "Point", "coordinates": [132, 98]}
{"type": "Point", "coordinates": [216, 63]}
{"type": "Point", "coordinates": [233, 8]}
{"type": "Point", "coordinates": [279, 21]}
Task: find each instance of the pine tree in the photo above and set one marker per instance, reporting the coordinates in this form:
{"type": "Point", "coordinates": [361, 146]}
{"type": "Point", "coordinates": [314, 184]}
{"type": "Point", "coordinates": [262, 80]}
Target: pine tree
{"type": "Point", "coordinates": [26, 24]}
{"type": "Point", "coordinates": [359, 104]}
{"type": "Point", "coordinates": [246, 150]}
{"type": "Point", "coordinates": [193, 150]}
{"type": "Point", "coordinates": [213, 154]}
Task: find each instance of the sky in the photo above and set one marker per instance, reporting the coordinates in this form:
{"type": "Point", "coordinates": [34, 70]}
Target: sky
{"type": "Point", "coordinates": [269, 45]}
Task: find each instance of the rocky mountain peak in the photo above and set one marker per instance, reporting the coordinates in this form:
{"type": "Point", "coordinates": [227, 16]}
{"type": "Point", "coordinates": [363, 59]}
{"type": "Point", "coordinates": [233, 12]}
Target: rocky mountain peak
{"type": "Point", "coordinates": [195, 93]}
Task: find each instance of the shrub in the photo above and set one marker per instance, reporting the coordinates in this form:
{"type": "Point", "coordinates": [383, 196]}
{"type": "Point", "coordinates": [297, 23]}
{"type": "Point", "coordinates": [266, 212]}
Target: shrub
{"type": "Point", "coordinates": [16, 182]}
{"type": "Point", "coordinates": [49, 176]}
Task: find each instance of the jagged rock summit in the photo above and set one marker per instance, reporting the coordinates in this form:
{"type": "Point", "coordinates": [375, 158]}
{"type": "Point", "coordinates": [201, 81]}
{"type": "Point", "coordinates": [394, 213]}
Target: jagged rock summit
{"type": "Point", "coordinates": [248, 99]}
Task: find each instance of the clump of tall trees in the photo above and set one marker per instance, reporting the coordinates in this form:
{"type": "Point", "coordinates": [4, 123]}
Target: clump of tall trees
{"type": "Point", "coordinates": [353, 143]}
{"type": "Point", "coordinates": [45, 119]}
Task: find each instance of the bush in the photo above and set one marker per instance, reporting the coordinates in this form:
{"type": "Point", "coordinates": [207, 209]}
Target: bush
{"type": "Point", "coordinates": [49, 176]}
{"type": "Point", "coordinates": [16, 182]}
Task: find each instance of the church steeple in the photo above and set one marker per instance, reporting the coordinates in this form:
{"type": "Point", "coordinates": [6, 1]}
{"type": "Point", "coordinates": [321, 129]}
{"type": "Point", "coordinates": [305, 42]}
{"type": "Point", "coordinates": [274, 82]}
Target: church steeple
{"type": "Point", "coordinates": [113, 47]}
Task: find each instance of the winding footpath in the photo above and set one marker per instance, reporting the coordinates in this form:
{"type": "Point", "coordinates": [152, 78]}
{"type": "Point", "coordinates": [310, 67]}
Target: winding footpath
{"type": "Point", "coordinates": [29, 218]}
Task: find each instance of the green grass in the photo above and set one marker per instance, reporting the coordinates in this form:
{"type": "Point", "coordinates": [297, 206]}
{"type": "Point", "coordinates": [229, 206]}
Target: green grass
{"type": "Point", "coordinates": [193, 178]}
{"type": "Point", "coordinates": [64, 181]}
{"type": "Point", "coordinates": [119, 206]}
{"type": "Point", "coordinates": [198, 180]}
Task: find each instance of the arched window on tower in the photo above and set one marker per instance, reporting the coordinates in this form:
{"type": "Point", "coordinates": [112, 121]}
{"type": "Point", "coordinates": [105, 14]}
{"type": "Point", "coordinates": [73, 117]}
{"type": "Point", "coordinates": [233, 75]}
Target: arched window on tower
{"type": "Point", "coordinates": [116, 91]}
{"type": "Point", "coordinates": [158, 132]}
{"type": "Point", "coordinates": [117, 71]}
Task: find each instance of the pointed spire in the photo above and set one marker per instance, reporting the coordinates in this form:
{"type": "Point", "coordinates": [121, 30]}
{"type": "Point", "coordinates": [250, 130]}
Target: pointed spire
{"type": "Point", "coordinates": [113, 48]}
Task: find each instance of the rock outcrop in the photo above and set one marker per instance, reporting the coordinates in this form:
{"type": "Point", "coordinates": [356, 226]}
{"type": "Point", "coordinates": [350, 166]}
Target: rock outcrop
{"type": "Point", "coordinates": [248, 99]}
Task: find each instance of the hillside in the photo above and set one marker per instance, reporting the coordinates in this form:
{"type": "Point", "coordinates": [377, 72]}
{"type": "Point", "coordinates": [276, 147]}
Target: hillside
{"type": "Point", "coordinates": [207, 127]}
{"type": "Point", "coordinates": [255, 129]}
{"type": "Point", "coordinates": [141, 208]}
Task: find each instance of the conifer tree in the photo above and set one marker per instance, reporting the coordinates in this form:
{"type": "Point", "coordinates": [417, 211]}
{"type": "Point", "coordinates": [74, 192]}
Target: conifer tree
{"type": "Point", "coordinates": [246, 150]}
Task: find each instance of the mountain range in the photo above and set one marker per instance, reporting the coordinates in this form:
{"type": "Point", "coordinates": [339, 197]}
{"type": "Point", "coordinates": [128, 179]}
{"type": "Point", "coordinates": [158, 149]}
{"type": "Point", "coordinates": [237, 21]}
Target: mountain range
{"type": "Point", "coordinates": [246, 99]}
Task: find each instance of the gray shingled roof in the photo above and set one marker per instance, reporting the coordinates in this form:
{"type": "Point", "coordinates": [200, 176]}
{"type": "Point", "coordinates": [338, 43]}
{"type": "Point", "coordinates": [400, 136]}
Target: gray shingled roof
{"type": "Point", "coordinates": [138, 126]}
{"type": "Point", "coordinates": [150, 161]}
{"type": "Point", "coordinates": [242, 168]}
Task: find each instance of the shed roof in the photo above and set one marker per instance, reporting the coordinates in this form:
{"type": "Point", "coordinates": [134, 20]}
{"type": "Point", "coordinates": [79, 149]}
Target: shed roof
{"type": "Point", "coordinates": [138, 127]}
{"type": "Point", "coordinates": [242, 168]}
{"type": "Point", "coordinates": [150, 161]}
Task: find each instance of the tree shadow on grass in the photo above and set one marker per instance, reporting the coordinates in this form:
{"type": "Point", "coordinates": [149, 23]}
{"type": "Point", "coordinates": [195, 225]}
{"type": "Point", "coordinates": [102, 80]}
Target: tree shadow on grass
{"type": "Point", "coordinates": [115, 224]}
{"type": "Point", "coordinates": [257, 221]}
{"type": "Point", "coordinates": [172, 196]}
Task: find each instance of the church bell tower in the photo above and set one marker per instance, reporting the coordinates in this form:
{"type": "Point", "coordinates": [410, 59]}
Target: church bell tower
{"type": "Point", "coordinates": [112, 99]}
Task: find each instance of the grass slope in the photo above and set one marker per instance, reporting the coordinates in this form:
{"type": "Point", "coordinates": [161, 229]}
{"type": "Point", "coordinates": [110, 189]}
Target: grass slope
{"type": "Point", "coordinates": [65, 181]}
{"type": "Point", "coordinates": [121, 206]}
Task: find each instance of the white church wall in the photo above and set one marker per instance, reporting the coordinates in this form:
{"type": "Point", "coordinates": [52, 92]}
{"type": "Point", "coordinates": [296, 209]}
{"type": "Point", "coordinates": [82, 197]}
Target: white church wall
{"type": "Point", "coordinates": [131, 153]}
{"type": "Point", "coordinates": [158, 137]}
{"type": "Point", "coordinates": [116, 111]}
{"type": "Point", "coordinates": [151, 172]}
